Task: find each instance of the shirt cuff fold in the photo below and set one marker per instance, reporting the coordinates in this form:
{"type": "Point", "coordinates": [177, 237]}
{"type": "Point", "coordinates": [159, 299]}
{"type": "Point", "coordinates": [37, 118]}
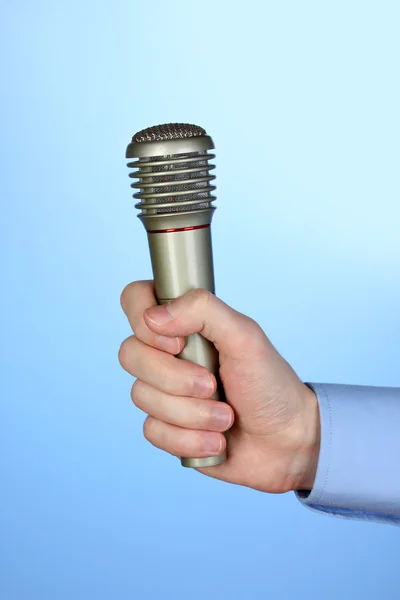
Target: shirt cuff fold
{"type": "Point", "coordinates": [358, 474]}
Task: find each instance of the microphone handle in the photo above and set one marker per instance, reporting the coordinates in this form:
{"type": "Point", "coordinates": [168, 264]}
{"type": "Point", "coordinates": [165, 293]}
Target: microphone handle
{"type": "Point", "coordinates": [182, 261]}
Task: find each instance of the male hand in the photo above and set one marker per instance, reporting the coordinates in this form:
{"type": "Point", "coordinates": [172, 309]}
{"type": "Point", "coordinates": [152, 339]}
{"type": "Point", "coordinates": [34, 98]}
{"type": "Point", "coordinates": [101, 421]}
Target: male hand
{"type": "Point", "coordinates": [271, 418]}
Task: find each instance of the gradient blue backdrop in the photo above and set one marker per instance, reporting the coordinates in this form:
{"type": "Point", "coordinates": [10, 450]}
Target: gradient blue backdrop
{"type": "Point", "coordinates": [305, 240]}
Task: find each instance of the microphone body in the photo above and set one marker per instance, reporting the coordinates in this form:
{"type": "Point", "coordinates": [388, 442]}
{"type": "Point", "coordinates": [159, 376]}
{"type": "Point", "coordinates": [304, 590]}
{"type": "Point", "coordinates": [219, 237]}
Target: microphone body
{"type": "Point", "coordinates": [175, 194]}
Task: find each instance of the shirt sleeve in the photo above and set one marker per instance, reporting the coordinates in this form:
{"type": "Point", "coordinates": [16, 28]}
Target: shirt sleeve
{"type": "Point", "coordinates": [358, 474]}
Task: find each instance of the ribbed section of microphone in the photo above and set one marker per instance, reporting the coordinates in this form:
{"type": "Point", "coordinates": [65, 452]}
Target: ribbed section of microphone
{"type": "Point", "coordinates": [175, 192]}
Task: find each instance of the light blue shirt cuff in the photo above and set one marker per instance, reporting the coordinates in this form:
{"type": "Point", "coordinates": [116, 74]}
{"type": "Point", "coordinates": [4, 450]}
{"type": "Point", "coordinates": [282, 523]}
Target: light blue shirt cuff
{"type": "Point", "coordinates": [358, 474]}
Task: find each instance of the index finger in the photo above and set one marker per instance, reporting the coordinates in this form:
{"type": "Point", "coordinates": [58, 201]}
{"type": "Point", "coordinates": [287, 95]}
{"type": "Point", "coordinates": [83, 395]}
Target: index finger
{"type": "Point", "coordinates": [135, 299]}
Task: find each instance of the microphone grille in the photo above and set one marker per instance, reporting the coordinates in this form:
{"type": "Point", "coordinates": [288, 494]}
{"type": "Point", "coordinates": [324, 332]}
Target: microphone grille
{"type": "Point", "coordinates": [168, 131]}
{"type": "Point", "coordinates": [173, 171]}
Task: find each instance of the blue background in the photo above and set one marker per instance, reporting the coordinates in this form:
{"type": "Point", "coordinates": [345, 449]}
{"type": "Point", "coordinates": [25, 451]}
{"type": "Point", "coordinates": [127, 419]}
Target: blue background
{"type": "Point", "coordinates": [302, 100]}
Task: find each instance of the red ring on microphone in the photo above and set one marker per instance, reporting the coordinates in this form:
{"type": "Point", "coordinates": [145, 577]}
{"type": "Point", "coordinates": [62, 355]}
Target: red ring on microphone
{"type": "Point", "coordinates": [178, 229]}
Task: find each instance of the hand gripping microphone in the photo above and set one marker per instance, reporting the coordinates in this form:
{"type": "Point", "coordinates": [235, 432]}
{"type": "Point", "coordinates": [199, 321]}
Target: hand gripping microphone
{"type": "Point", "coordinates": [175, 200]}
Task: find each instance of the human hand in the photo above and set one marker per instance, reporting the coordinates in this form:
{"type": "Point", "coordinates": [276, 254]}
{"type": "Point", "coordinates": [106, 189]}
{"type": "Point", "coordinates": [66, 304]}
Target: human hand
{"type": "Point", "coordinates": [271, 418]}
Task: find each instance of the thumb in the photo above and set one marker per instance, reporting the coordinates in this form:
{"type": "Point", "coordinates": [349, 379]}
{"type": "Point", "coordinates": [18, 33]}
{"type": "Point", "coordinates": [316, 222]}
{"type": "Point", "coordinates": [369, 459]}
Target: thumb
{"type": "Point", "coordinates": [199, 311]}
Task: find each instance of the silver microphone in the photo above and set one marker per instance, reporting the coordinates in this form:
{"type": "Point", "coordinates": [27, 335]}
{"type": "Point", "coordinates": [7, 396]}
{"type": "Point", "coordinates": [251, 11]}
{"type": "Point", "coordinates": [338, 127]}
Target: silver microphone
{"type": "Point", "coordinates": [175, 203]}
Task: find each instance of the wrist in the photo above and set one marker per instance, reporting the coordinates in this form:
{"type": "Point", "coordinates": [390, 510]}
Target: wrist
{"type": "Point", "coordinates": [310, 429]}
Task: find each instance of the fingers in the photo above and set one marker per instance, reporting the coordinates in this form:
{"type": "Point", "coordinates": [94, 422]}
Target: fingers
{"type": "Point", "coordinates": [165, 372]}
{"type": "Point", "coordinates": [135, 299]}
{"type": "Point", "coordinates": [183, 442]}
{"type": "Point", "coordinates": [199, 311]}
{"type": "Point", "coordinates": [190, 413]}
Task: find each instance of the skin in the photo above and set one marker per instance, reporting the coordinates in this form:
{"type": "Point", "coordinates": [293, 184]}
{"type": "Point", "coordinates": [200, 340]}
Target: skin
{"type": "Point", "coordinates": [270, 420]}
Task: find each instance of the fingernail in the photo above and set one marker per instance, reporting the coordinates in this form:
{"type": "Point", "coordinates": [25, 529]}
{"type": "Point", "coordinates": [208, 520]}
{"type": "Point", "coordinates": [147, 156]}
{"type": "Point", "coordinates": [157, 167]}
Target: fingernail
{"type": "Point", "coordinates": [202, 386]}
{"type": "Point", "coordinates": [212, 443]}
{"type": "Point", "coordinates": [220, 417]}
{"type": "Point", "coordinates": [159, 315]}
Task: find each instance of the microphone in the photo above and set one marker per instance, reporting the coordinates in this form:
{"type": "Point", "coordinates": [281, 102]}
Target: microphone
{"type": "Point", "coordinates": [175, 203]}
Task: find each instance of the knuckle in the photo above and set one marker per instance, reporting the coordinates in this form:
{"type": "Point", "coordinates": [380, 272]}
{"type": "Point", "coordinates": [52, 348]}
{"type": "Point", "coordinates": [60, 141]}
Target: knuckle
{"type": "Point", "coordinates": [199, 296]}
{"type": "Point", "coordinates": [148, 428]}
{"type": "Point", "coordinates": [251, 329]}
{"type": "Point", "coordinates": [184, 444]}
{"type": "Point", "coordinates": [131, 292]}
{"type": "Point", "coordinates": [137, 393]}
{"type": "Point", "coordinates": [153, 432]}
{"type": "Point", "coordinates": [254, 340]}
{"type": "Point", "coordinates": [125, 352]}
{"type": "Point", "coordinates": [126, 292]}
{"type": "Point", "coordinates": [251, 324]}
{"type": "Point", "coordinates": [204, 413]}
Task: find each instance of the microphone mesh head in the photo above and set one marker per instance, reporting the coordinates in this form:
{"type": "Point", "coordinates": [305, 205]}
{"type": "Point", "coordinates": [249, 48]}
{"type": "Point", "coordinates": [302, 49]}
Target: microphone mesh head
{"type": "Point", "coordinates": [173, 183]}
{"type": "Point", "coordinates": [170, 131]}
